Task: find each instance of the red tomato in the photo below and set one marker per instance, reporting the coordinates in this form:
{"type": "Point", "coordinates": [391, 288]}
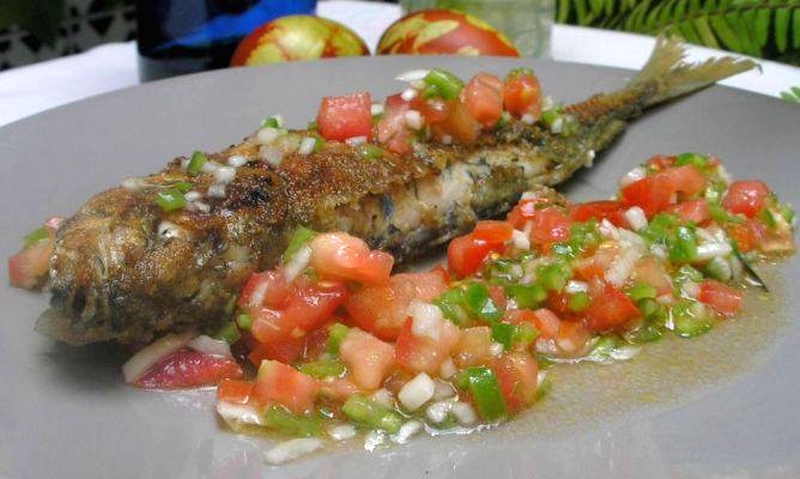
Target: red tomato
{"type": "Point", "coordinates": [279, 383]}
{"type": "Point", "coordinates": [189, 369]}
{"type": "Point", "coordinates": [721, 297]}
{"type": "Point", "coordinates": [339, 389]}
{"type": "Point", "coordinates": [595, 266]}
{"type": "Point", "coordinates": [235, 391]}
{"type": "Point", "coordinates": [269, 288]}
{"type": "Point", "coordinates": [518, 375]}
{"type": "Point", "coordinates": [659, 190]}
{"type": "Point", "coordinates": [522, 95]}
{"type": "Point", "coordinates": [458, 124]}
{"type": "Point", "coordinates": [286, 350]}
{"type": "Point", "coordinates": [29, 267]}
{"type": "Point", "coordinates": [695, 211]}
{"type": "Point", "coordinates": [392, 130]}
{"type": "Point", "coordinates": [613, 211]}
{"type": "Point", "coordinates": [662, 162]}
{"type": "Point", "coordinates": [422, 353]}
{"type": "Point", "coordinates": [466, 254]}
{"type": "Point", "coordinates": [609, 308]}
{"type": "Point", "coordinates": [493, 231]}
{"type": "Point", "coordinates": [306, 308]}
{"type": "Point", "coordinates": [550, 225]}
{"type": "Point", "coordinates": [347, 116]}
{"type": "Point", "coordinates": [483, 97]}
{"type": "Point", "coordinates": [546, 322]}
{"type": "Point", "coordinates": [381, 309]}
{"type": "Point", "coordinates": [443, 32]}
{"type": "Point", "coordinates": [746, 197]}
{"type": "Point", "coordinates": [368, 359]}
{"type": "Point", "coordinates": [572, 337]}
{"type": "Point", "coordinates": [525, 211]}
{"type": "Point", "coordinates": [341, 256]}
{"type": "Point", "coordinates": [749, 235]}
{"type": "Point", "coordinates": [649, 271]}
{"type": "Point", "coordinates": [474, 347]}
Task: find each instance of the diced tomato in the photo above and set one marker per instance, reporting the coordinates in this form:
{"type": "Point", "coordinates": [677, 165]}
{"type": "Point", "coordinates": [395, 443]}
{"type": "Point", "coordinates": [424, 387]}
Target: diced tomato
{"type": "Point", "coordinates": [29, 267]}
{"type": "Point", "coordinates": [279, 383]}
{"type": "Point", "coordinates": [466, 254]}
{"type": "Point", "coordinates": [572, 337]}
{"type": "Point", "coordinates": [559, 304]}
{"type": "Point", "coordinates": [696, 211]}
{"type": "Point", "coordinates": [342, 256]}
{"type": "Point", "coordinates": [392, 130]}
{"type": "Point", "coordinates": [748, 236]}
{"type": "Point", "coordinates": [381, 309]}
{"type": "Point", "coordinates": [550, 225]}
{"type": "Point", "coordinates": [189, 369]}
{"type": "Point", "coordinates": [483, 97]}
{"type": "Point", "coordinates": [649, 270]}
{"type": "Point", "coordinates": [347, 116]}
{"type": "Point", "coordinates": [746, 197]}
{"type": "Point", "coordinates": [525, 210]}
{"type": "Point", "coordinates": [368, 359]}
{"type": "Point", "coordinates": [595, 266]}
{"type": "Point", "coordinates": [609, 307]}
{"type": "Point", "coordinates": [286, 350]}
{"type": "Point", "coordinates": [269, 289]}
{"type": "Point", "coordinates": [235, 391]}
{"type": "Point", "coordinates": [493, 231]}
{"type": "Point", "coordinates": [474, 347]}
{"type": "Point", "coordinates": [721, 297]}
{"type": "Point", "coordinates": [458, 124]}
{"type": "Point", "coordinates": [662, 162]}
{"type": "Point", "coordinates": [423, 353]}
{"type": "Point", "coordinates": [659, 190]}
{"type": "Point", "coordinates": [432, 110]}
{"type": "Point", "coordinates": [612, 211]}
{"type": "Point", "coordinates": [522, 95]}
{"type": "Point", "coordinates": [339, 388]}
{"type": "Point", "coordinates": [546, 322]}
{"type": "Point", "coordinates": [306, 308]}
{"type": "Point", "coordinates": [518, 375]}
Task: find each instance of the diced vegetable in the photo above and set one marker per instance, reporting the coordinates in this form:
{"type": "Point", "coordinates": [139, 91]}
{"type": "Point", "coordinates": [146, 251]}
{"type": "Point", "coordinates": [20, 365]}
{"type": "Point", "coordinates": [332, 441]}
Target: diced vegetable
{"type": "Point", "coordinates": [484, 388]}
{"type": "Point", "coordinates": [344, 117]}
{"type": "Point", "coordinates": [281, 384]}
{"type": "Point", "coordinates": [364, 411]}
{"type": "Point", "coordinates": [188, 369]}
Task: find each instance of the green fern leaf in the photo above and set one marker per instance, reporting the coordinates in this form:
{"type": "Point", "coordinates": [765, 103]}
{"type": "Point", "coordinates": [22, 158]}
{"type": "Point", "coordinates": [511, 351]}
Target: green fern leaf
{"type": "Point", "coordinates": [782, 28]}
{"type": "Point", "coordinates": [724, 32]}
{"type": "Point", "coordinates": [792, 95]}
{"type": "Point", "coordinates": [706, 35]}
{"type": "Point", "coordinates": [796, 29]}
{"type": "Point", "coordinates": [761, 21]}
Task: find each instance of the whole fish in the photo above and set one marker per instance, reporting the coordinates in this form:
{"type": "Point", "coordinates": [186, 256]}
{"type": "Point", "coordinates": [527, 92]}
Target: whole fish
{"type": "Point", "coordinates": [124, 269]}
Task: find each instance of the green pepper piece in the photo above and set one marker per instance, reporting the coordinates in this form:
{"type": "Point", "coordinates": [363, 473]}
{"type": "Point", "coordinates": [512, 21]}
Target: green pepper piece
{"type": "Point", "coordinates": [693, 159]}
{"type": "Point", "coordinates": [659, 228]}
{"type": "Point", "coordinates": [170, 199]}
{"type": "Point", "coordinates": [689, 319]}
{"type": "Point", "coordinates": [229, 332]}
{"type": "Point", "coordinates": [641, 291]}
{"type": "Point", "coordinates": [312, 125]}
{"type": "Point", "coordinates": [183, 186]}
{"type": "Point", "coordinates": [365, 411]}
{"type": "Point", "coordinates": [35, 236]}
{"type": "Point", "coordinates": [336, 335]}
{"type": "Point", "coordinates": [244, 321]}
{"type": "Point", "coordinates": [442, 84]}
{"type": "Point", "coordinates": [284, 422]}
{"type": "Point", "coordinates": [300, 237]}
{"type": "Point", "coordinates": [518, 72]}
{"type": "Point", "coordinates": [503, 333]}
{"type": "Point", "coordinates": [505, 119]}
{"type": "Point", "coordinates": [271, 122]}
{"type": "Point", "coordinates": [324, 368]}
{"type": "Point", "coordinates": [549, 117]}
{"type": "Point", "coordinates": [502, 271]}
{"type": "Point", "coordinates": [579, 302]}
{"type": "Point", "coordinates": [721, 215]}
{"type": "Point", "coordinates": [479, 303]}
{"type": "Point", "coordinates": [553, 276]}
{"type": "Point", "coordinates": [527, 296]}
{"type": "Point", "coordinates": [787, 212]}
{"type": "Point", "coordinates": [451, 302]}
{"type": "Point", "coordinates": [196, 163]}
{"type": "Point", "coordinates": [369, 151]}
{"type": "Point", "coordinates": [483, 386]}
{"type": "Point", "coordinates": [682, 245]}
{"type": "Point", "coordinates": [686, 273]}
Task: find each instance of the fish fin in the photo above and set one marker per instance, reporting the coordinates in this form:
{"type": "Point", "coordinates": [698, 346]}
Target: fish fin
{"type": "Point", "coordinates": [671, 76]}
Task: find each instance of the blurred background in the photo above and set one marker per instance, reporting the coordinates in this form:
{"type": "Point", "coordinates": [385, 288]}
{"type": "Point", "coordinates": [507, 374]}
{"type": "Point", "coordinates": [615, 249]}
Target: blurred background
{"type": "Point", "coordinates": [36, 30]}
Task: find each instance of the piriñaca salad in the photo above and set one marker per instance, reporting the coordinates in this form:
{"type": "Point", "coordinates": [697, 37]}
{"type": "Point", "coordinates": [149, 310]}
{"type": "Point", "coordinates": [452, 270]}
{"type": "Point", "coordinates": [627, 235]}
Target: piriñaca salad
{"type": "Point", "coordinates": [330, 345]}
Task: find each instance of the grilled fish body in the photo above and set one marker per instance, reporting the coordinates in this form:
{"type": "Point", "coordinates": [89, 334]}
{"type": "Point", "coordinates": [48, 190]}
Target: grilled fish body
{"type": "Point", "coordinates": [125, 270]}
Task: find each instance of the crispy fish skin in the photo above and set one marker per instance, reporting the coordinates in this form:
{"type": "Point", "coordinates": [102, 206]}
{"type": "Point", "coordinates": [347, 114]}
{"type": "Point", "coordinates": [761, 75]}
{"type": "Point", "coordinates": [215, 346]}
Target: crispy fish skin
{"type": "Point", "coordinates": [124, 270]}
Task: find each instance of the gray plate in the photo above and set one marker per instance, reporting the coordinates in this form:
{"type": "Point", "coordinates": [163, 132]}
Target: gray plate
{"type": "Point", "coordinates": [65, 412]}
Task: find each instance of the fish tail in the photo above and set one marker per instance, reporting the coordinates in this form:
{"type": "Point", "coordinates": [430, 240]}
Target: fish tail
{"type": "Point", "coordinates": [667, 75]}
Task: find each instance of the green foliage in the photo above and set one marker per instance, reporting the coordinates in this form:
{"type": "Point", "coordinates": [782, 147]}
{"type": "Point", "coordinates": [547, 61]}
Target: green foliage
{"type": "Point", "coordinates": [792, 94]}
{"type": "Point", "coordinates": [761, 28]}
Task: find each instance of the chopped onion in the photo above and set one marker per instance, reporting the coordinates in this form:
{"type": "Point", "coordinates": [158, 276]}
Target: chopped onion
{"type": "Point", "coordinates": [298, 263]}
{"type": "Point", "coordinates": [408, 430]}
{"type": "Point", "coordinates": [267, 135]}
{"type": "Point", "coordinates": [447, 369]}
{"type": "Point", "coordinates": [153, 353]}
{"type": "Point", "coordinates": [192, 195]}
{"type": "Point", "coordinates": [225, 174]}
{"type": "Point", "coordinates": [412, 75]}
{"type": "Point", "coordinates": [133, 184]}
{"type": "Point", "coordinates": [558, 125]}
{"type": "Point", "coordinates": [464, 413]}
{"type": "Point", "coordinates": [520, 240]}
{"type": "Point", "coordinates": [547, 103]}
{"type": "Point", "coordinates": [237, 415]}
{"type": "Point", "coordinates": [719, 268]}
{"type": "Point", "coordinates": [217, 190]}
{"type": "Point", "coordinates": [376, 109]}
{"type": "Point", "coordinates": [636, 218]}
{"type": "Point", "coordinates": [342, 432]}
{"type": "Point", "coordinates": [690, 289]}
{"type": "Point", "coordinates": [621, 269]}
{"type": "Point", "coordinates": [413, 119]}
{"type": "Point", "coordinates": [383, 397]}
{"type": "Point", "coordinates": [271, 155]}
{"type": "Point", "coordinates": [496, 349]}
{"type": "Point", "coordinates": [291, 450]}
{"type": "Point", "coordinates": [356, 140]}
{"type": "Point", "coordinates": [168, 229]}
{"type": "Point", "coordinates": [659, 251]}
{"type": "Point", "coordinates": [307, 145]}
{"type": "Point", "coordinates": [210, 167]}
{"type": "Point", "coordinates": [237, 161]}
{"type": "Point", "coordinates": [426, 319]}
{"type": "Point", "coordinates": [208, 345]}
{"type": "Point", "coordinates": [437, 412]}
{"type": "Point", "coordinates": [707, 251]}
{"type": "Point", "coordinates": [528, 119]}
{"type": "Point", "coordinates": [204, 207]}
{"type": "Point", "coordinates": [373, 439]}
{"type": "Point", "coordinates": [608, 230]}
{"type": "Point", "coordinates": [416, 392]}
{"type": "Point", "coordinates": [574, 287]}
{"type": "Point", "coordinates": [724, 175]}
{"type": "Point", "coordinates": [408, 94]}
{"type": "Point", "coordinates": [443, 390]}
{"type": "Point", "coordinates": [632, 176]}
{"type": "Point", "coordinates": [590, 156]}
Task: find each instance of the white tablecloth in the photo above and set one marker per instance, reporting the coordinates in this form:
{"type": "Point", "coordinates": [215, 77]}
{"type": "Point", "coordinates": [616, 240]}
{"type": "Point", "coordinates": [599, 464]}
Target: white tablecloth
{"type": "Point", "coordinates": [28, 90]}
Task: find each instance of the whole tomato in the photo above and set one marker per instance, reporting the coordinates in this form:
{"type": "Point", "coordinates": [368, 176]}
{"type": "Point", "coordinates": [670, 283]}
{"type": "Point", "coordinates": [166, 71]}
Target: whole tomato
{"type": "Point", "coordinates": [297, 37]}
{"type": "Point", "coordinates": [444, 32]}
